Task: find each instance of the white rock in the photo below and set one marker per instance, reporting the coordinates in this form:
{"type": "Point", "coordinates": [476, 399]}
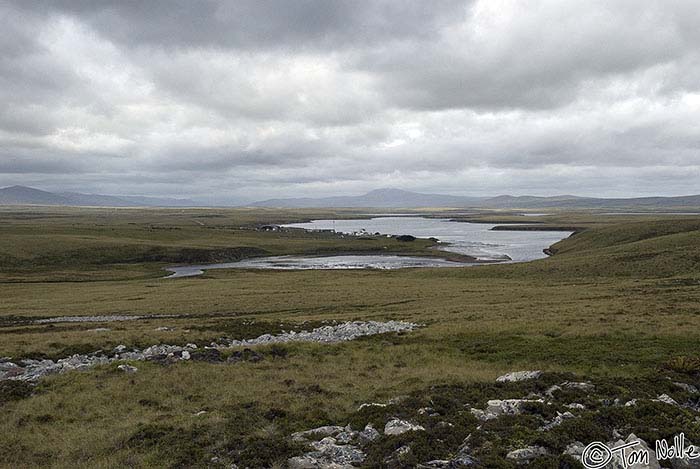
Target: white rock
{"type": "Point", "coordinates": [527, 454]}
{"type": "Point", "coordinates": [397, 427]}
{"type": "Point", "coordinates": [518, 376]}
{"type": "Point", "coordinates": [368, 434]}
{"type": "Point", "coordinates": [320, 432]}
{"type": "Point", "coordinates": [666, 399]}
{"type": "Point", "coordinates": [556, 421]}
{"type": "Point", "coordinates": [127, 368]}
{"type": "Point", "coordinates": [497, 407]}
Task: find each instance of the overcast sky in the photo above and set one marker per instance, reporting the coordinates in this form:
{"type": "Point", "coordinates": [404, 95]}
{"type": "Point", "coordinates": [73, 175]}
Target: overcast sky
{"type": "Point", "coordinates": [252, 99]}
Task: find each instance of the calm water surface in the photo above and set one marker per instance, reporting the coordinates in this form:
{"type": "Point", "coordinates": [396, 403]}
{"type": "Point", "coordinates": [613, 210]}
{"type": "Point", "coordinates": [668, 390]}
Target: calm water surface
{"type": "Point", "coordinates": [473, 239]}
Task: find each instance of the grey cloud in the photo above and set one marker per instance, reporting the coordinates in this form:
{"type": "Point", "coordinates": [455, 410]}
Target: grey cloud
{"type": "Point", "coordinates": [545, 55]}
{"type": "Point", "coordinates": [255, 24]}
{"type": "Point", "coordinates": [274, 98]}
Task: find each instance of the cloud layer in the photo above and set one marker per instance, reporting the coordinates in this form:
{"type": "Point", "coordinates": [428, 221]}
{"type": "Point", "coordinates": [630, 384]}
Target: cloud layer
{"type": "Point", "coordinates": [227, 101]}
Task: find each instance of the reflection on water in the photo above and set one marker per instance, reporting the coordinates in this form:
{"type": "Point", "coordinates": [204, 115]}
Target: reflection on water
{"type": "Point", "coordinates": [472, 239]}
{"type": "Point", "coordinates": [325, 262]}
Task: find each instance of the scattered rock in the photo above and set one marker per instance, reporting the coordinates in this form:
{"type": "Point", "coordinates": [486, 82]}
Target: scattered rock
{"type": "Point", "coordinates": [328, 454]}
{"type": "Point", "coordinates": [31, 370]}
{"type": "Point", "coordinates": [666, 399]}
{"type": "Point", "coordinates": [369, 434]}
{"type": "Point", "coordinates": [687, 387]}
{"type": "Point", "coordinates": [579, 386]}
{"type": "Point", "coordinates": [371, 404]}
{"type": "Point", "coordinates": [397, 427]}
{"type": "Point", "coordinates": [127, 368]}
{"type": "Point", "coordinates": [518, 376]}
{"type": "Point", "coordinates": [397, 459]}
{"type": "Point", "coordinates": [525, 455]}
{"type": "Point", "coordinates": [686, 462]}
{"type": "Point", "coordinates": [556, 421]}
{"type": "Point", "coordinates": [316, 433]}
{"type": "Point", "coordinates": [575, 450]}
{"type": "Point", "coordinates": [327, 334]}
{"type": "Point", "coordinates": [497, 407]}
{"type": "Point", "coordinates": [436, 463]}
{"type": "Point", "coordinates": [617, 461]}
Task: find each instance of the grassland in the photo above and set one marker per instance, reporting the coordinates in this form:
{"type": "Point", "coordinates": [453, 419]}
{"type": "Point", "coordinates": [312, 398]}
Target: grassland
{"type": "Point", "coordinates": [618, 304]}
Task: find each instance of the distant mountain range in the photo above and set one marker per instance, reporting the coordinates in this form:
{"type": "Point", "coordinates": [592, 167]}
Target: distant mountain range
{"type": "Point", "coordinates": [380, 198]}
{"type": "Point", "coordinates": [396, 198]}
{"type": "Point", "coordinates": [22, 195]}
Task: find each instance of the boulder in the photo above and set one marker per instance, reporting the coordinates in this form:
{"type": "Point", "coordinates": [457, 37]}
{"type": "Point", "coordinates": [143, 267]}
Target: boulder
{"type": "Point", "coordinates": [617, 461]}
{"type": "Point", "coordinates": [525, 455]}
{"type": "Point", "coordinates": [397, 427]}
{"type": "Point", "coordinates": [666, 399]}
{"type": "Point", "coordinates": [318, 433]}
{"type": "Point", "coordinates": [369, 434]}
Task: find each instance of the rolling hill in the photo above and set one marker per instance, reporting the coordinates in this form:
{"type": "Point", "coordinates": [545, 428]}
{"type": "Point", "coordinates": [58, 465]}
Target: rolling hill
{"type": "Point", "coordinates": [22, 195]}
{"type": "Point", "coordinates": [395, 198]}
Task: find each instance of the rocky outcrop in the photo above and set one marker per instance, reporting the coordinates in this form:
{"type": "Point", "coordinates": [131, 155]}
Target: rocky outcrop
{"type": "Point", "coordinates": [326, 334]}
{"type": "Point", "coordinates": [415, 425]}
{"type": "Point", "coordinates": [32, 370]}
{"type": "Point", "coordinates": [333, 447]}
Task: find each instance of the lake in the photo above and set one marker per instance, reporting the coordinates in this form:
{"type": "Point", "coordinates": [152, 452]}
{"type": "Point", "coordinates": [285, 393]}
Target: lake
{"type": "Point", "coordinates": [473, 239]}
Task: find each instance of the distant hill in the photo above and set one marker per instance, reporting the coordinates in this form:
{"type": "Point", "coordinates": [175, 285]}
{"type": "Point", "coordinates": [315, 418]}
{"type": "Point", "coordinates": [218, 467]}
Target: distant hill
{"type": "Point", "coordinates": [387, 198]}
{"type": "Point", "coordinates": [22, 195]}
{"type": "Point", "coordinates": [395, 198]}
{"type": "Point", "coordinates": [380, 198]}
